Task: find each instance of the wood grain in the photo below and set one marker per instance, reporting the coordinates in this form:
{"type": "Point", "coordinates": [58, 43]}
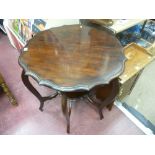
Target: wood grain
{"type": "Point", "coordinates": [73, 57]}
{"type": "Point", "coordinates": [137, 59]}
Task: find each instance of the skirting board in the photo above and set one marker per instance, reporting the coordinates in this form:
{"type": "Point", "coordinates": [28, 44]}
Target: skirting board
{"type": "Point", "coordinates": [2, 28]}
{"type": "Point", "coordinates": [140, 125]}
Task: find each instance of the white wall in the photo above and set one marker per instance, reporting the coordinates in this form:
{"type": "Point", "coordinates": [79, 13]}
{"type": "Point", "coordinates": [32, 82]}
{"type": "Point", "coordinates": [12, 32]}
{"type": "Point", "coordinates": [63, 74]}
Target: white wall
{"type": "Point", "coordinates": [60, 22]}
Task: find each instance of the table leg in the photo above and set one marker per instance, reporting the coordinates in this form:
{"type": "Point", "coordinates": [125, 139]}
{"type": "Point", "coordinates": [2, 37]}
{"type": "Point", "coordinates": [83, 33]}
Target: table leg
{"type": "Point", "coordinates": [27, 83]}
{"type": "Point", "coordinates": [109, 106]}
{"type": "Point", "coordinates": [97, 105]}
{"type": "Point", "coordinates": [107, 101]}
{"type": "Point", "coordinates": [66, 109]}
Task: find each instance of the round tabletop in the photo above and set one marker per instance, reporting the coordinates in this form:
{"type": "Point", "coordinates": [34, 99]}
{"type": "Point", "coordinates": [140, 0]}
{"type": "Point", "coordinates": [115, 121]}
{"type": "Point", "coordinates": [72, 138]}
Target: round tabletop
{"type": "Point", "coordinates": [73, 57]}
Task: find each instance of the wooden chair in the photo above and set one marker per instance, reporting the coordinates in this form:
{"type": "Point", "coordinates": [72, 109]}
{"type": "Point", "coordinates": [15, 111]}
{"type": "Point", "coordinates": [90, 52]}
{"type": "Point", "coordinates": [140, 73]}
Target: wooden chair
{"type": "Point", "coordinates": [4, 88]}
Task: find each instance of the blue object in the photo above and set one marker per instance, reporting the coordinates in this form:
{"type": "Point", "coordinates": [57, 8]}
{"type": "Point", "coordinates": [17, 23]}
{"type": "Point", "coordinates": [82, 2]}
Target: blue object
{"type": "Point", "coordinates": [130, 35]}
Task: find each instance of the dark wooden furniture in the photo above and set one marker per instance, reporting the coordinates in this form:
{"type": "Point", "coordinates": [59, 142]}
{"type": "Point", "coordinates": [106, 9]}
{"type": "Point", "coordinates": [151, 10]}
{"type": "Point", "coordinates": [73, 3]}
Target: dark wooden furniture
{"type": "Point", "coordinates": [5, 89]}
{"type": "Point", "coordinates": [76, 61]}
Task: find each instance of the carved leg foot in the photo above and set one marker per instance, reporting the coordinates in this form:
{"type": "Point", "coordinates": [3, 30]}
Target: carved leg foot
{"type": "Point", "coordinates": [98, 106]}
{"type": "Point", "coordinates": [66, 109]}
{"type": "Point", "coordinates": [41, 106]}
{"type": "Point", "coordinates": [109, 107]}
{"type": "Point", "coordinates": [101, 114]}
{"type": "Point", "coordinates": [29, 86]}
{"type": "Point", "coordinates": [9, 94]}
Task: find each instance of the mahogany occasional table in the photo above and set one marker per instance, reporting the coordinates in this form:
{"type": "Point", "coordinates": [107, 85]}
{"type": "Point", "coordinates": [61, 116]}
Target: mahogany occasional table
{"type": "Point", "coordinates": [76, 61]}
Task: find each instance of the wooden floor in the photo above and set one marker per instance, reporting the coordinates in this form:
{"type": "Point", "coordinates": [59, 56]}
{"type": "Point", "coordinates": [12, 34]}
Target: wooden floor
{"type": "Point", "coordinates": [27, 119]}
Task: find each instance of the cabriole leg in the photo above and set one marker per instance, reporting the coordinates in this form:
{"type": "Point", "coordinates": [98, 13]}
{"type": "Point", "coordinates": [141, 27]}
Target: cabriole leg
{"type": "Point", "coordinates": [66, 109]}
{"type": "Point", "coordinates": [29, 86]}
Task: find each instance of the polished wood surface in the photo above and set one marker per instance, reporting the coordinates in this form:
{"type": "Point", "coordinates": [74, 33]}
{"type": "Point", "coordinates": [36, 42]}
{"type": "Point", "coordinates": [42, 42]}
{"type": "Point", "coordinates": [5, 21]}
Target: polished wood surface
{"type": "Point", "coordinates": [73, 57]}
{"type": "Point", "coordinates": [75, 60]}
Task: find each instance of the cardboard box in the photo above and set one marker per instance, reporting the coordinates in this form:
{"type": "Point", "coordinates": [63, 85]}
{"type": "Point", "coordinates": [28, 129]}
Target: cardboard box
{"type": "Point", "coordinates": [137, 59]}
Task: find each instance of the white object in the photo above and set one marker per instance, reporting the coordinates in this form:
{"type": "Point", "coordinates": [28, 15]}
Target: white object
{"type": "Point", "coordinates": [123, 24]}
